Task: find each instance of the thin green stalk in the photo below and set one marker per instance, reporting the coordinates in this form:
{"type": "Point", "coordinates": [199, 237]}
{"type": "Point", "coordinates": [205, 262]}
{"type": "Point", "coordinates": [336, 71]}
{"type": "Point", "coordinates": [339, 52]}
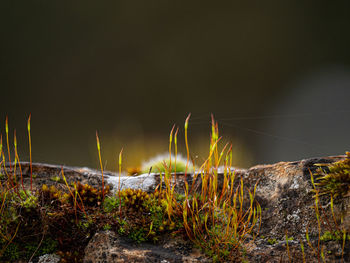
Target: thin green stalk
{"type": "Point", "coordinates": [322, 255]}
{"type": "Point", "coordinates": [309, 242]}
{"type": "Point", "coordinates": [170, 143]}
{"type": "Point", "coordinates": [290, 260]}
{"type": "Point", "coordinates": [70, 191]}
{"type": "Point", "coordinates": [215, 220]}
{"type": "Point", "coordinates": [120, 172]}
{"type": "Point", "coordinates": [30, 153]}
{"type": "Point", "coordinates": [302, 250]}
{"type": "Point", "coordinates": [74, 196]}
{"type": "Point", "coordinates": [75, 203]}
{"type": "Point", "coordinates": [15, 165]}
{"type": "Point", "coordinates": [8, 150]}
{"type": "Point", "coordinates": [175, 146]}
{"type": "Point", "coordinates": [186, 142]}
{"type": "Point", "coordinates": [7, 140]}
{"type": "Point", "coordinates": [82, 208]}
{"type": "Point", "coordinates": [19, 163]}
{"type": "Point", "coordinates": [99, 156]}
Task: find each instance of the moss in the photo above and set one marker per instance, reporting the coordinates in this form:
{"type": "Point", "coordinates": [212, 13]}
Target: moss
{"type": "Point", "coordinates": [161, 164]}
{"type": "Point", "coordinates": [89, 195]}
{"type": "Point", "coordinates": [16, 250]}
{"type": "Point", "coordinates": [122, 226]}
{"type": "Point", "coordinates": [48, 246]}
{"type": "Point", "coordinates": [107, 227]}
{"type": "Point", "coordinates": [334, 178]}
{"type": "Point", "coordinates": [272, 241]}
{"type": "Point", "coordinates": [146, 216]}
{"type": "Point", "coordinates": [56, 179]}
{"type": "Point", "coordinates": [110, 203]}
{"type": "Point", "coordinates": [289, 238]}
{"type": "Point", "coordinates": [73, 214]}
{"type": "Point", "coordinates": [334, 236]}
{"type": "Point", "coordinates": [138, 235]}
{"type": "Point", "coordinates": [11, 253]}
{"type": "Point", "coordinates": [84, 224]}
{"type": "Point", "coordinates": [52, 196]}
{"type": "Point", "coordinates": [27, 199]}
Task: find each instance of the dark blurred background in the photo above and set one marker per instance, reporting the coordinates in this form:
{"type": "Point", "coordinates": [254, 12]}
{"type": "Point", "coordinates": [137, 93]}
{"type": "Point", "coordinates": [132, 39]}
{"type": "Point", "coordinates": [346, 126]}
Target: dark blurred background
{"type": "Point", "coordinates": [276, 75]}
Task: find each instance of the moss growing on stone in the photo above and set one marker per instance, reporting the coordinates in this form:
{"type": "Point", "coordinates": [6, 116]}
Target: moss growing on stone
{"type": "Point", "coordinates": [334, 236]}
{"type": "Point", "coordinates": [162, 163]}
{"type": "Point", "coordinates": [334, 178]}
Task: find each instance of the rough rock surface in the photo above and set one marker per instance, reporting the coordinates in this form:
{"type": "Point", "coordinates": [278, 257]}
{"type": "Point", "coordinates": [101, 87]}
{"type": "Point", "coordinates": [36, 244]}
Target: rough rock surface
{"type": "Point", "coordinates": [285, 194]}
{"type": "Point", "coordinates": [106, 246]}
{"type": "Point", "coordinates": [49, 258]}
{"type": "Point", "coordinates": [284, 191]}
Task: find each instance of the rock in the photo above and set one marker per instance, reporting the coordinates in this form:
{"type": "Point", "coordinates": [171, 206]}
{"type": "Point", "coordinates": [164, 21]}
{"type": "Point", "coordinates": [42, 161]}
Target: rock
{"type": "Point", "coordinates": [285, 194]}
{"type": "Point", "coordinates": [284, 191]}
{"type": "Point", "coordinates": [106, 247]}
{"type": "Point", "coordinates": [49, 258]}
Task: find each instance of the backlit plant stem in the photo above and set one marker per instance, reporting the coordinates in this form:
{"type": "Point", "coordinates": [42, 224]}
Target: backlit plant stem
{"type": "Point", "coordinates": [8, 150]}
{"type": "Point", "coordinates": [186, 142]}
{"type": "Point", "coordinates": [120, 172]}
{"type": "Point", "coordinates": [7, 141]}
{"type": "Point", "coordinates": [170, 143]}
{"type": "Point", "coordinates": [30, 154]}
{"type": "Point", "coordinates": [99, 156]}
{"type": "Point", "coordinates": [175, 145]}
{"type": "Point", "coordinates": [19, 163]}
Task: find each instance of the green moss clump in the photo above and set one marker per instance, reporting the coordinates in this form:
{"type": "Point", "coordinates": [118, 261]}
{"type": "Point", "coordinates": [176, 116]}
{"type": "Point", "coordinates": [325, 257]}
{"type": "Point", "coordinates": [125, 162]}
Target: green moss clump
{"type": "Point", "coordinates": [110, 204]}
{"type": "Point", "coordinates": [107, 227]}
{"type": "Point", "coordinates": [138, 235]}
{"type": "Point", "coordinates": [334, 236]}
{"type": "Point", "coordinates": [26, 199]}
{"type": "Point", "coordinates": [146, 218]}
{"type": "Point", "coordinates": [11, 253]}
{"type": "Point", "coordinates": [162, 164]}
{"type": "Point", "coordinates": [272, 241]}
{"type": "Point", "coordinates": [334, 178]}
{"type": "Point", "coordinates": [16, 250]}
{"type": "Point", "coordinates": [48, 246]}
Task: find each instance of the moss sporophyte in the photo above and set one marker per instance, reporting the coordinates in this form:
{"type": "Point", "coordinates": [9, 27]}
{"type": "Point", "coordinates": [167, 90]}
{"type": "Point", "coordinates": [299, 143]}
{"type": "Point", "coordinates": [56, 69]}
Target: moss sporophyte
{"type": "Point", "coordinates": [219, 215]}
{"type": "Point", "coordinates": [217, 219]}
